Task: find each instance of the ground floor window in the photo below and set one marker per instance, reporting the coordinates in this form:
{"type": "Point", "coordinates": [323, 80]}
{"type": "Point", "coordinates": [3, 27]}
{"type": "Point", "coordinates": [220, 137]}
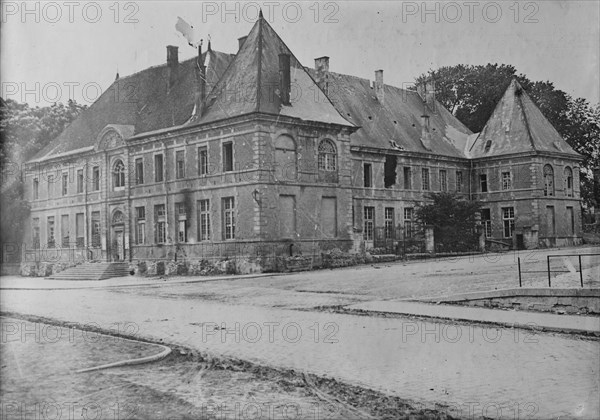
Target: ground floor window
{"type": "Point", "coordinates": [369, 221]}
{"type": "Point", "coordinates": [36, 233]}
{"type": "Point", "coordinates": [389, 222]}
{"type": "Point", "coordinates": [95, 229]}
{"type": "Point", "coordinates": [160, 232]}
{"type": "Point", "coordinates": [508, 219]}
{"type": "Point", "coordinates": [408, 222]}
{"type": "Point", "coordinates": [182, 225]}
{"type": "Point", "coordinates": [204, 220]}
{"type": "Point", "coordinates": [50, 226]}
{"type": "Point", "coordinates": [228, 218]}
{"type": "Point", "coordinates": [79, 230]}
{"type": "Point", "coordinates": [140, 225]}
{"type": "Point", "coordinates": [571, 220]}
{"type": "Point", "coordinates": [486, 221]}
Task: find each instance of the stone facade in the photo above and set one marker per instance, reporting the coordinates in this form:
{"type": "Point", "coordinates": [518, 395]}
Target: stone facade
{"type": "Point", "coordinates": [263, 179]}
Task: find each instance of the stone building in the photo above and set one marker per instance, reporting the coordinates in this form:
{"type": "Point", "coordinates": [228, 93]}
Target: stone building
{"type": "Point", "coordinates": [253, 154]}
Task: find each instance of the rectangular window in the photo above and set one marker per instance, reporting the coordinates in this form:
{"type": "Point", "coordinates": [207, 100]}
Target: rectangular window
{"type": "Point", "coordinates": [483, 182]}
{"type": "Point", "coordinates": [179, 164]}
{"type": "Point", "coordinates": [506, 181]}
{"type": "Point", "coordinates": [79, 181]}
{"type": "Point", "coordinates": [550, 220]}
{"type": "Point", "coordinates": [65, 184]}
{"type": "Point", "coordinates": [389, 222]}
{"type": "Point", "coordinates": [459, 181]}
{"type": "Point", "coordinates": [96, 178]}
{"type": "Point", "coordinates": [369, 219]}
{"type": "Point", "coordinates": [79, 230]}
{"type": "Point", "coordinates": [227, 157]}
{"type": "Point", "coordinates": [202, 160]}
{"type": "Point", "coordinates": [96, 241]}
{"type": "Point", "coordinates": [408, 222]}
{"type": "Point", "coordinates": [486, 221]}
{"type": "Point", "coordinates": [35, 240]}
{"type": "Point", "coordinates": [407, 178]}
{"type": "Point", "coordinates": [50, 185]}
{"type": "Point", "coordinates": [508, 220]}
{"type": "Point", "coordinates": [389, 171]}
{"type": "Point", "coordinates": [329, 217]}
{"type": "Point", "coordinates": [204, 220]}
{"type": "Point", "coordinates": [140, 226]}
{"type": "Point", "coordinates": [571, 220]}
{"type": "Point", "coordinates": [50, 226]}
{"type": "Point", "coordinates": [36, 188]}
{"type": "Point", "coordinates": [160, 231]}
{"type": "Point", "coordinates": [443, 180]}
{"type": "Point", "coordinates": [367, 175]}
{"type": "Point", "coordinates": [182, 225]}
{"type": "Point", "coordinates": [139, 171]}
{"type": "Point", "coordinates": [158, 168]}
{"type": "Point", "coordinates": [228, 218]}
{"type": "Point", "coordinates": [425, 179]}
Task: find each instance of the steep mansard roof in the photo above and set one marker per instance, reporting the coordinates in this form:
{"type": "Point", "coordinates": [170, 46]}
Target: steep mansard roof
{"type": "Point", "coordinates": [517, 126]}
{"type": "Point", "coordinates": [248, 83]}
{"type": "Point", "coordinates": [142, 100]}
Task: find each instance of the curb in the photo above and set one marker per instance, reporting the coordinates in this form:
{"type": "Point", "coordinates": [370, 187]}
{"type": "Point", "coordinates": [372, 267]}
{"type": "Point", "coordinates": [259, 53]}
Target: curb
{"type": "Point", "coordinates": [131, 362]}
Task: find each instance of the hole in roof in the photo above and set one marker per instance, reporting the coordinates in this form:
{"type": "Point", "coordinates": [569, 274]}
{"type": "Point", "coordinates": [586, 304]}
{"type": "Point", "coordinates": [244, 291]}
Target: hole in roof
{"type": "Point", "coordinates": [395, 122]}
{"type": "Point", "coordinates": [413, 125]}
{"type": "Point", "coordinates": [488, 145]}
{"type": "Point", "coordinates": [370, 118]}
{"type": "Point", "coordinates": [434, 129]}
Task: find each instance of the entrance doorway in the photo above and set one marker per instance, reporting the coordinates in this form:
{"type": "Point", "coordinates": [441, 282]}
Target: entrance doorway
{"type": "Point", "coordinates": [117, 246]}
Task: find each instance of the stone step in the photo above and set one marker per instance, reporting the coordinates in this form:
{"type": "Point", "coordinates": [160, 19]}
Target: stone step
{"type": "Point", "coordinates": [93, 271]}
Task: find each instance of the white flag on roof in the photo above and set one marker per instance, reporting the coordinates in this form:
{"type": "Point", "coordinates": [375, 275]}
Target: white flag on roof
{"type": "Point", "coordinates": [189, 32]}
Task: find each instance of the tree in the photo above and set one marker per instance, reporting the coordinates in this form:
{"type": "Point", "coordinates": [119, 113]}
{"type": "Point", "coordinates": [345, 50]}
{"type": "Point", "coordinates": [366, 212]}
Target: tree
{"type": "Point", "coordinates": [454, 221]}
{"type": "Point", "coordinates": [23, 132]}
{"type": "Point", "coordinates": [471, 93]}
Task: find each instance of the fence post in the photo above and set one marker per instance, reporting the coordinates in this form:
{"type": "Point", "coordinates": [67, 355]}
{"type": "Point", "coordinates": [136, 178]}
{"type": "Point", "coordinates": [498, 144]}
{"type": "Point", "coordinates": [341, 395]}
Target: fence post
{"type": "Point", "coordinates": [548, 265]}
{"type": "Point", "coordinates": [519, 263]}
{"type": "Point", "coordinates": [580, 271]}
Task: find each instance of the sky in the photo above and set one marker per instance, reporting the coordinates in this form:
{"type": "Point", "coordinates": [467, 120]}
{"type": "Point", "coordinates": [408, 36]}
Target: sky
{"type": "Point", "coordinates": [54, 51]}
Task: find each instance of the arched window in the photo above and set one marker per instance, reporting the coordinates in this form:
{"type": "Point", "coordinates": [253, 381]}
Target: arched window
{"type": "Point", "coordinates": [568, 182]}
{"type": "Point", "coordinates": [327, 156]}
{"type": "Point", "coordinates": [119, 174]}
{"type": "Point", "coordinates": [285, 158]}
{"type": "Point", "coordinates": [548, 180]}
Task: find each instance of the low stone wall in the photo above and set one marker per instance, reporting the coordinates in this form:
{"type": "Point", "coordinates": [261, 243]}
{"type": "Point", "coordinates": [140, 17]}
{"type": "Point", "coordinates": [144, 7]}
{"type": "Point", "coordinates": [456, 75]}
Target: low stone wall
{"type": "Point", "coordinates": [560, 301]}
{"type": "Point", "coordinates": [45, 269]}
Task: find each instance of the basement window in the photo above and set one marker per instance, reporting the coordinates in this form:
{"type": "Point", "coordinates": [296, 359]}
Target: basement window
{"type": "Point", "coordinates": [389, 169]}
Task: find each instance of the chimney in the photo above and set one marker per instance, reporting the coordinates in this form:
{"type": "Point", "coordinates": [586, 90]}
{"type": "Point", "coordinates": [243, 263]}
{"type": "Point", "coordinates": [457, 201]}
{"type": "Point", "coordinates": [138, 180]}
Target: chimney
{"type": "Point", "coordinates": [322, 69]}
{"type": "Point", "coordinates": [200, 70]}
{"type": "Point", "coordinates": [426, 91]}
{"type": "Point", "coordinates": [425, 132]}
{"type": "Point", "coordinates": [172, 64]}
{"type": "Point", "coordinates": [379, 89]}
{"type": "Point", "coordinates": [284, 78]}
{"type": "Point", "coordinates": [241, 41]}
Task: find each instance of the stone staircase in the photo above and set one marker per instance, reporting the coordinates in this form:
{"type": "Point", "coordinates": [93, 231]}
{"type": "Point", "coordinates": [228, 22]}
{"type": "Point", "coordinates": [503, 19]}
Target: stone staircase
{"type": "Point", "coordinates": [93, 271]}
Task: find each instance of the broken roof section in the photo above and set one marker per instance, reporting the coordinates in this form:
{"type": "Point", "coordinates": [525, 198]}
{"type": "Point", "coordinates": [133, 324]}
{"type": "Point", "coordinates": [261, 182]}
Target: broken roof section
{"type": "Point", "coordinates": [397, 118]}
{"type": "Point", "coordinates": [517, 126]}
{"type": "Point", "coordinates": [251, 84]}
{"type": "Point", "coordinates": [142, 100]}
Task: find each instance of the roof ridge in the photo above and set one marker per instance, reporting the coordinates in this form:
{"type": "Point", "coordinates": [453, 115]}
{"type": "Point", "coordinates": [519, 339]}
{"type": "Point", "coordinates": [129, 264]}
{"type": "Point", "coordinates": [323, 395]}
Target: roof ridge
{"type": "Point", "coordinates": [518, 91]}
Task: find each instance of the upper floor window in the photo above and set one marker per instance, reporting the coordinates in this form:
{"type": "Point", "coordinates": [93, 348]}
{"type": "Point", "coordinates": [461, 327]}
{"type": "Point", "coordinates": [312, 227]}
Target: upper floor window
{"type": "Point", "coordinates": [506, 181]}
{"type": "Point", "coordinates": [568, 182]}
{"type": "Point", "coordinates": [158, 168]}
{"type": "Point", "coordinates": [36, 188]}
{"type": "Point", "coordinates": [179, 164]}
{"type": "Point", "coordinates": [79, 181]}
{"type": "Point", "coordinates": [407, 178]}
{"type": "Point", "coordinates": [202, 160]}
{"type": "Point", "coordinates": [548, 180]}
{"type": "Point", "coordinates": [459, 181]}
{"type": "Point", "coordinates": [425, 179]}
{"type": "Point", "coordinates": [119, 174]}
{"type": "Point", "coordinates": [50, 185]}
{"type": "Point", "coordinates": [96, 178]}
{"type": "Point", "coordinates": [139, 171]}
{"type": "Point", "coordinates": [65, 183]}
{"type": "Point", "coordinates": [443, 180]}
{"type": "Point", "coordinates": [227, 157]}
{"type": "Point", "coordinates": [327, 156]}
{"type": "Point", "coordinates": [367, 175]}
{"type": "Point", "coordinates": [483, 182]}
